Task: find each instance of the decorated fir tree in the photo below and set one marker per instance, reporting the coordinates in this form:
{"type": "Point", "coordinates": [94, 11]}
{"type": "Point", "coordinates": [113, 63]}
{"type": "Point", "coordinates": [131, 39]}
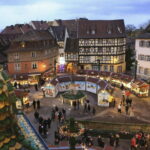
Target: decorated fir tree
{"type": "Point", "coordinates": [8, 125]}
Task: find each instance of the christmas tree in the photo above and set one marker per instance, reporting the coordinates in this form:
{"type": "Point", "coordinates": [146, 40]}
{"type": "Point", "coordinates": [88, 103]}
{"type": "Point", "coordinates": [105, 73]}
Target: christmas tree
{"type": "Point", "coordinates": [9, 130]}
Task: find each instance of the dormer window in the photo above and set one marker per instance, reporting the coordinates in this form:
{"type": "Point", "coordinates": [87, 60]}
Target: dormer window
{"type": "Point", "coordinates": [93, 31]}
{"type": "Point", "coordinates": [22, 44]}
{"type": "Point", "coordinates": [109, 31]}
{"type": "Point", "coordinates": [119, 29]}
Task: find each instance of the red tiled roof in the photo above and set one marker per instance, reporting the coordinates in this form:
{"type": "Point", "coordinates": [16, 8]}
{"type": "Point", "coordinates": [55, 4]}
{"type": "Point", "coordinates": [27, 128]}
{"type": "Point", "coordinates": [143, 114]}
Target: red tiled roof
{"type": "Point", "coordinates": [101, 28]}
{"type": "Point", "coordinates": [94, 80]}
{"type": "Point", "coordinates": [78, 78]}
{"type": "Point", "coordinates": [40, 25]}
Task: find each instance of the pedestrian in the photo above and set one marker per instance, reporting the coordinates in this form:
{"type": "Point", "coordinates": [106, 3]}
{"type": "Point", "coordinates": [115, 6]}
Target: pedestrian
{"type": "Point", "coordinates": [93, 111]}
{"type": "Point", "coordinates": [119, 108]}
{"type": "Point", "coordinates": [100, 142]}
{"type": "Point", "coordinates": [130, 102]}
{"type": "Point", "coordinates": [34, 104]}
{"type": "Point", "coordinates": [41, 120]}
{"type": "Point", "coordinates": [38, 104]}
{"type": "Point", "coordinates": [56, 108]}
{"type": "Point", "coordinates": [89, 107]}
{"type": "Point", "coordinates": [64, 113]}
{"type": "Point", "coordinates": [114, 102]}
{"type": "Point", "coordinates": [133, 144]}
{"type": "Point", "coordinates": [74, 105]}
{"type": "Point", "coordinates": [36, 115]}
{"type": "Point", "coordinates": [117, 140]}
{"type": "Point", "coordinates": [36, 87]}
{"type": "Point", "coordinates": [85, 107]}
{"type": "Point", "coordinates": [126, 109]}
{"type": "Point", "coordinates": [122, 87]}
{"type": "Point", "coordinates": [40, 129]}
{"type": "Point", "coordinates": [49, 122]}
{"type": "Point", "coordinates": [59, 116]}
{"type": "Point", "coordinates": [111, 140]}
{"type": "Point", "coordinates": [78, 104]}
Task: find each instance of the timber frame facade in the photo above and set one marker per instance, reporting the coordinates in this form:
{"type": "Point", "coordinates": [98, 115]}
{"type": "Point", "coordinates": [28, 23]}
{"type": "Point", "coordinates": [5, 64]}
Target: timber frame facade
{"type": "Point", "coordinates": [100, 45]}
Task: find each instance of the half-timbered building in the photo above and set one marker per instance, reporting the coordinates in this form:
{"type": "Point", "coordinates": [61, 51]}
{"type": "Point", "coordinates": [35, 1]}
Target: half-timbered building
{"type": "Point", "coordinates": [99, 45]}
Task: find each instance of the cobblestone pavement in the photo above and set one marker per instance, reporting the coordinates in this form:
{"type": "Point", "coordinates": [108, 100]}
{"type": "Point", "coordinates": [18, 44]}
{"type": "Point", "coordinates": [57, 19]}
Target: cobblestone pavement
{"type": "Point", "coordinates": [141, 109]}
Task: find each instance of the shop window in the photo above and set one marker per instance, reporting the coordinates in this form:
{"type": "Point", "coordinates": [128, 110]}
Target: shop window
{"type": "Point", "coordinates": [105, 68]}
{"type": "Point", "coordinates": [17, 67]}
{"type": "Point", "coordinates": [34, 65]}
{"type": "Point", "coordinates": [111, 68]}
{"type": "Point", "coordinates": [119, 69]}
{"type": "Point", "coordinates": [33, 54]}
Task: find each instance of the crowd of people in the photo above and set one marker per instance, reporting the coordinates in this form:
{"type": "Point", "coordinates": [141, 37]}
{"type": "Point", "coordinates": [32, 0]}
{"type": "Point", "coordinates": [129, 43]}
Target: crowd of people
{"type": "Point", "coordinates": [140, 141]}
{"type": "Point", "coordinates": [45, 123]}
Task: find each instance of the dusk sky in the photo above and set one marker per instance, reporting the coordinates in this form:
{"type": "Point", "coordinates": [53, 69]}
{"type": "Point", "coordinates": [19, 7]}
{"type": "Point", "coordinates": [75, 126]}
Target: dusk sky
{"type": "Point", "coordinates": [134, 12]}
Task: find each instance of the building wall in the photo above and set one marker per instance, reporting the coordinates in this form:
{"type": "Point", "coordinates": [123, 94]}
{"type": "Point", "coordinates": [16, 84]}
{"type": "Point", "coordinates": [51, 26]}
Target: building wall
{"type": "Point", "coordinates": [44, 60]}
{"type": "Point", "coordinates": [143, 59]}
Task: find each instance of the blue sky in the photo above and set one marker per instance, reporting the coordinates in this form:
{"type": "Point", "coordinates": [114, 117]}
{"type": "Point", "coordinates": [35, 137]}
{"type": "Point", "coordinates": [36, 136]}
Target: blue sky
{"type": "Point", "coordinates": [134, 12]}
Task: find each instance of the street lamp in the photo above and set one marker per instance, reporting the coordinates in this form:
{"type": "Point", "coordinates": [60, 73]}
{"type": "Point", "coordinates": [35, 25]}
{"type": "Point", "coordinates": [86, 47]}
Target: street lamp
{"type": "Point", "coordinates": [135, 69]}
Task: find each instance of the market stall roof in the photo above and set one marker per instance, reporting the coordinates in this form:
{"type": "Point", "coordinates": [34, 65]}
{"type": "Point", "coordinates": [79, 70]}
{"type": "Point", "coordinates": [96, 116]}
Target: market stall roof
{"type": "Point", "coordinates": [54, 81]}
{"type": "Point", "coordinates": [64, 79]}
{"type": "Point", "coordinates": [78, 78]}
{"type": "Point", "coordinates": [115, 75]}
{"type": "Point", "coordinates": [104, 73]}
{"type": "Point", "coordinates": [83, 72]}
{"type": "Point", "coordinates": [92, 72]}
{"type": "Point", "coordinates": [20, 93]}
{"type": "Point", "coordinates": [103, 84]}
{"type": "Point", "coordinates": [94, 80]}
{"type": "Point", "coordinates": [126, 78]}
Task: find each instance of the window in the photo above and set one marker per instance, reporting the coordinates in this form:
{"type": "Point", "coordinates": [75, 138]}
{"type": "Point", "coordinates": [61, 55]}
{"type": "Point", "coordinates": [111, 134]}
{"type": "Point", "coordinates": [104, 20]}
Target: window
{"type": "Point", "coordinates": [148, 58]}
{"type": "Point", "coordinates": [34, 65]}
{"type": "Point", "coordinates": [93, 31]}
{"type": "Point", "coordinates": [148, 44]}
{"type": "Point", "coordinates": [16, 56]}
{"type": "Point", "coordinates": [105, 68]}
{"type": "Point", "coordinates": [95, 68]}
{"type": "Point", "coordinates": [141, 70]}
{"type": "Point", "coordinates": [147, 71]}
{"type": "Point", "coordinates": [17, 67]}
{"type": "Point", "coordinates": [119, 69]}
{"type": "Point", "coordinates": [33, 54]}
{"type": "Point", "coordinates": [22, 44]}
{"type": "Point", "coordinates": [112, 68]}
{"type": "Point", "coordinates": [141, 43]}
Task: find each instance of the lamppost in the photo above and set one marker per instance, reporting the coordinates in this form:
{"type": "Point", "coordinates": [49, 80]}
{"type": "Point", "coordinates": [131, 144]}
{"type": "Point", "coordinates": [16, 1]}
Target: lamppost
{"type": "Point", "coordinates": [98, 61]}
{"type": "Point", "coordinates": [135, 69]}
{"type": "Point", "coordinates": [55, 67]}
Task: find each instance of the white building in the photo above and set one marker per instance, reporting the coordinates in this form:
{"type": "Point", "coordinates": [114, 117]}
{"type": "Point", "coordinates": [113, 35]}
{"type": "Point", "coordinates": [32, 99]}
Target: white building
{"type": "Point", "coordinates": [142, 47]}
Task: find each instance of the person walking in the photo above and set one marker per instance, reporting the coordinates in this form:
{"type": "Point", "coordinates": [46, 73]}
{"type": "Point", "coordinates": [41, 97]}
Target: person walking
{"type": "Point", "coordinates": [119, 108]}
{"type": "Point", "coordinates": [133, 144]}
{"type": "Point", "coordinates": [34, 104]}
{"type": "Point", "coordinates": [85, 107]}
{"type": "Point", "coordinates": [117, 140]}
{"type": "Point", "coordinates": [111, 140]}
{"type": "Point", "coordinates": [94, 111]}
{"type": "Point", "coordinates": [38, 104]}
{"type": "Point", "coordinates": [126, 109]}
{"type": "Point", "coordinates": [49, 122]}
{"type": "Point", "coordinates": [36, 115]}
{"type": "Point", "coordinates": [89, 107]}
{"type": "Point", "coordinates": [100, 142]}
{"type": "Point", "coordinates": [78, 104]}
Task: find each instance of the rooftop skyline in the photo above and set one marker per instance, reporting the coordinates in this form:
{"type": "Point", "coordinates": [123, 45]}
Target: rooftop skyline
{"type": "Point", "coordinates": [16, 11]}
